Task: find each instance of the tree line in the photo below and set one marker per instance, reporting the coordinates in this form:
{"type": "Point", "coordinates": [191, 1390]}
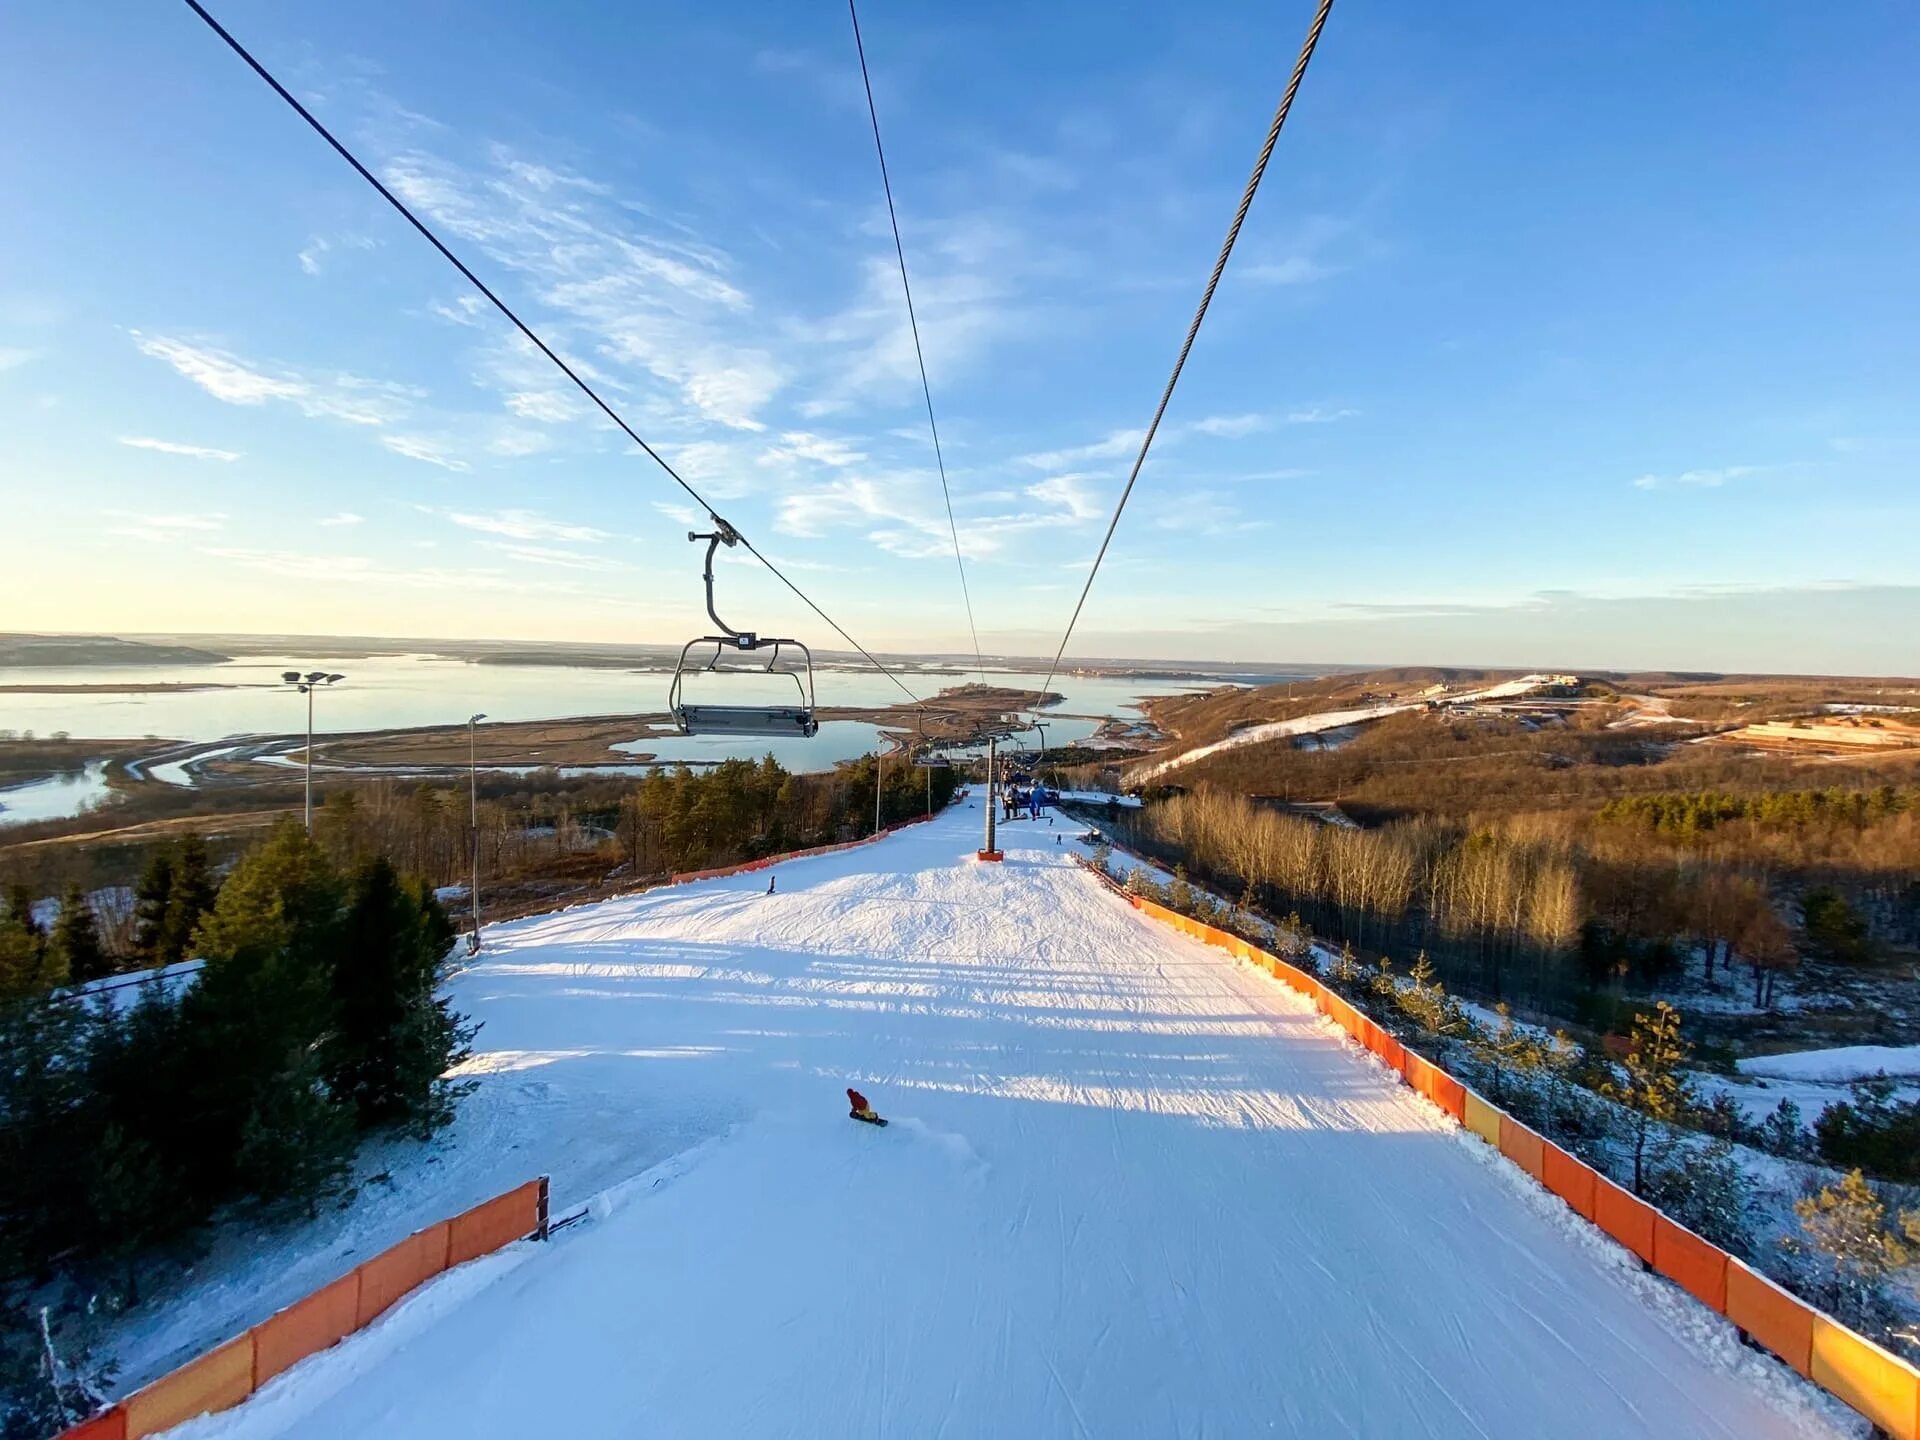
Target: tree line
{"type": "Point", "coordinates": [1518, 907]}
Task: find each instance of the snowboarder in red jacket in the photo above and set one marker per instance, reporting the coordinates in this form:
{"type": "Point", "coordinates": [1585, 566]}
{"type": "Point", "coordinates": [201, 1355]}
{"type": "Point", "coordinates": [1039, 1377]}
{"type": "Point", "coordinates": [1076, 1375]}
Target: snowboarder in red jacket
{"type": "Point", "coordinates": [861, 1109]}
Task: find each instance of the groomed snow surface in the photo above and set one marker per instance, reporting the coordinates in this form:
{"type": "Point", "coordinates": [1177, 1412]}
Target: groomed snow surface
{"type": "Point", "coordinates": [1130, 1188]}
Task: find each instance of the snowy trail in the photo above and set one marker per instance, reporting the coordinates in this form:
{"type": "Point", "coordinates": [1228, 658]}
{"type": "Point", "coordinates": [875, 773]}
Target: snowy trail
{"type": "Point", "coordinates": [1130, 1188]}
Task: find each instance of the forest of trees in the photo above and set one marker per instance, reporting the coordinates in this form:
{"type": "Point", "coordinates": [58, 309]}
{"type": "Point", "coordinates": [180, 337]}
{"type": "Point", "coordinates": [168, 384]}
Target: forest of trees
{"type": "Point", "coordinates": [129, 1118]}
{"type": "Point", "coordinates": [1546, 909]}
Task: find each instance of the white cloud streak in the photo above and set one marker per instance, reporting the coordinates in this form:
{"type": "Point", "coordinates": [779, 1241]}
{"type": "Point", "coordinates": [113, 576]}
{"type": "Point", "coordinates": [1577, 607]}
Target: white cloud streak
{"type": "Point", "coordinates": [174, 447]}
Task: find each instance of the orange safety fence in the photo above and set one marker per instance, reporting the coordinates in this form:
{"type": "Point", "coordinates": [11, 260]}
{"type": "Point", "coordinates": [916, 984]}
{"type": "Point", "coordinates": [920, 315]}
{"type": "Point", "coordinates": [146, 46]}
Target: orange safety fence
{"type": "Point", "coordinates": [229, 1373]}
{"type": "Point", "coordinates": [1878, 1384]}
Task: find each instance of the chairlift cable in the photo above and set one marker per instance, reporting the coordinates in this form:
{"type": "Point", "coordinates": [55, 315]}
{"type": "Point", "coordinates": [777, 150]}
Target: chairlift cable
{"type": "Point", "coordinates": [434, 240]}
{"type": "Point", "coordinates": [913, 322]}
{"type": "Point", "coordinates": [1219, 266]}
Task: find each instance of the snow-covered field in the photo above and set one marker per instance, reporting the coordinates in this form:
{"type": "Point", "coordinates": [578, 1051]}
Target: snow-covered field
{"type": "Point", "coordinates": [1130, 1188]}
{"type": "Point", "coordinates": [1844, 1063]}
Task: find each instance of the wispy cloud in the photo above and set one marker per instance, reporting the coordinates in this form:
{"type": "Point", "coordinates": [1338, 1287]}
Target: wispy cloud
{"type": "Point", "coordinates": [1229, 426]}
{"type": "Point", "coordinates": [313, 258]}
{"type": "Point", "coordinates": [1118, 444]}
{"type": "Point", "coordinates": [12, 357]}
{"type": "Point", "coordinates": [549, 555]}
{"type": "Point", "coordinates": [1707, 479]}
{"type": "Point", "coordinates": [679, 514]}
{"type": "Point", "coordinates": [1320, 414]}
{"type": "Point", "coordinates": [343, 518]}
{"type": "Point", "coordinates": [361, 572]}
{"type": "Point", "coordinates": [664, 302]}
{"type": "Point", "coordinates": [819, 449]}
{"type": "Point", "coordinates": [427, 449]}
{"type": "Point", "coordinates": [174, 447]}
{"type": "Point", "coordinates": [526, 525]}
{"type": "Point", "coordinates": [165, 527]}
{"type": "Point", "coordinates": [1069, 493]}
{"type": "Point", "coordinates": [226, 377]}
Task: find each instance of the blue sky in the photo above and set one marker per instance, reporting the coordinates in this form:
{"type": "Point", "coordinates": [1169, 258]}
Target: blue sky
{"type": "Point", "coordinates": [1574, 335]}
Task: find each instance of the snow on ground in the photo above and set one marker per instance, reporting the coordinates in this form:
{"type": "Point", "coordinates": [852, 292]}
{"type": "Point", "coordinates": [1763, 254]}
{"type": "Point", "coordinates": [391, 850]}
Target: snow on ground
{"type": "Point", "coordinates": [1334, 720]}
{"type": "Point", "coordinates": [1844, 1063]}
{"type": "Point", "coordinates": [1130, 1188]}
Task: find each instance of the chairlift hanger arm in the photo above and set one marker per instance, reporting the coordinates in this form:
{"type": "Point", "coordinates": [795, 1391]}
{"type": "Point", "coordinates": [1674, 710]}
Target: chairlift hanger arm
{"type": "Point", "coordinates": [722, 534]}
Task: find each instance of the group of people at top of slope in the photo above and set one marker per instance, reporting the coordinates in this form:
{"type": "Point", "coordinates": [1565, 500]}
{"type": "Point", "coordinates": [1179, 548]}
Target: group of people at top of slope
{"type": "Point", "coordinates": [1013, 800]}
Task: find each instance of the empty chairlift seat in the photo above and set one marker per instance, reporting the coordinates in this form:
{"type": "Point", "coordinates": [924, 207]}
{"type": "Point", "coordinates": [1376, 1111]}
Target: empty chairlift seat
{"type": "Point", "coordinates": [702, 717]}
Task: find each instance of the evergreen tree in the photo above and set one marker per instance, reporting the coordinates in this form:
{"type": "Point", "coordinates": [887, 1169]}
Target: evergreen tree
{"type": "Point", "coordinates": [1834, 930]}
{"type": "Point", "coordinates": [1704, 1188]}
{"type": "Point", "coordinates": [129, 1200]}
{"type": "Point", "coordinates": [1873, 1131]}
{"type": "Point", "coordinates": [76, 939]}
{"type": "Point", "coordinates": [1657, 1089]}
{"type": "Point", "coordinates": [393, 1040]}
{"type": "Point", "coordinates": [262, 996]}
{"type": "Point", "coordinates": [296, 1142]}
{"type": "Point", "coordinates": [189, 899]}
{"type": "Point", "coordinates": [150, 897]}
{"type": "Point", "coordinates": [1783, 1132]}
{"type": "Point", "coordinates": [1180, 891]}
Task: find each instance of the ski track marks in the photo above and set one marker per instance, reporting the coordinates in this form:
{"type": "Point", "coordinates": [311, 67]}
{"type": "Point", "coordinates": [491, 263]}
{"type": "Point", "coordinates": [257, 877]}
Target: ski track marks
{"type": "Point", "coordinates": [1130, 1188]}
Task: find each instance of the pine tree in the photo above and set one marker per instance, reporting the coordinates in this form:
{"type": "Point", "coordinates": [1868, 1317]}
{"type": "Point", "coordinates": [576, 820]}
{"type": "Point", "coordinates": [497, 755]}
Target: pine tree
{"type": "Point", "coordinates": [76, 939]}
{"type": "Point", "coordinates": [261, 998]}
{"type": "Point", "coordinates": [296, 1142]}
{"type": "Point", "coordinates": [130, 1201]}
{"type": "Point", "coordinates": [1425, 1001]}
{"type": "Point", "coordinates": [1703, 1187]}
{"type": "Point", "coordinates": [150, 897]}
{"type": "Point", "coordinates": [1180, 891]}
{"type": "Point", "coordinates": [1657, 1089]}
{"type": "Point", "coordinates": [190, 897]}
{"type": "Point", "coordinates": [1783, 1132]}
{"type": "Point", "coordinates": [1844, 1226]}
{"type": "Point", "coordinates": [393, 1040]}
{"type": "Point", "coordinates": [29, 965]}
{"type": "Point", "coordinates": [1346, 969]}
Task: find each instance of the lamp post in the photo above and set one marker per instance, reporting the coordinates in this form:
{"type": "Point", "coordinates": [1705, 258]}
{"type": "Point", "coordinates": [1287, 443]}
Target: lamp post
{"type": "Point", "coordinates": [305, 685]}
{"type": "Point", "coordinates": [473, 833]}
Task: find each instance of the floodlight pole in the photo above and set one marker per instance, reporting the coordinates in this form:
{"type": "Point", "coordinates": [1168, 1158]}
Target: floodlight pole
{"type": "Point", "coordinates": [307, 756]}
{"type": "Point", "coordinates": [473, 832]}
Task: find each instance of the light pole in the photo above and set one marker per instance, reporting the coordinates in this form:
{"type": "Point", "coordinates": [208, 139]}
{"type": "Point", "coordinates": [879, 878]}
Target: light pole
{"type": "Point", "coordinates": [473, 833]}
{"type": "Point", "coordinates": [306, 684]}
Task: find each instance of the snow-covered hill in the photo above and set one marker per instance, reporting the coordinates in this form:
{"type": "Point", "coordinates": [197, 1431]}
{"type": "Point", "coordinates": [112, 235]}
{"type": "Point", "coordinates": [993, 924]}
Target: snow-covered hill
{"type": "Point", "coordinates": [1130, 1188]}
{"type": "Point", "coordinates": [1333, 720]}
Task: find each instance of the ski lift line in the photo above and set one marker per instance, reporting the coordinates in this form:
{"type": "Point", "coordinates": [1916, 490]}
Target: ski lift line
{"type": "Point", "coordinates": [1206, 299]}
{"type": "Point", "coordinates": [913, 323]}
{"type": "Point", "coordinates": [454, 260]}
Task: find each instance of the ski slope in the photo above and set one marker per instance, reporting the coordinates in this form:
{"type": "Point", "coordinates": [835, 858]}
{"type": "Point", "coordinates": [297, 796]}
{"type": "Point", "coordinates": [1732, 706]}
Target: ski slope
{"type": "Point", "coordinates": [1129, 1188]}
